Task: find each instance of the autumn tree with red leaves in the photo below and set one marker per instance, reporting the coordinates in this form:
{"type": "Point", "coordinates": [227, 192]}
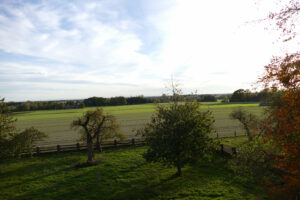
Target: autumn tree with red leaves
{"type": "Point", "coordinates": [286, 19]}
{"type": "Point", "coordinates": [282, 126]}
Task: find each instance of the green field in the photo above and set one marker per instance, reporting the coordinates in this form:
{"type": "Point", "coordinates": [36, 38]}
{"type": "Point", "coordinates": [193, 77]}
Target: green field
{"type": "Point", "coordinates": [121, 174]}
{"type": "Point", "coordinates": [56, 123]}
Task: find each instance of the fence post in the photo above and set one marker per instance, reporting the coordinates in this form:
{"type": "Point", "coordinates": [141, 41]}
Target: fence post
{"type": "Point", "coordinates": [234, 133]}
{"type": "Point", "coordinates": [217, 135]}
{"type": "Point", "coordinates": [58, 148]}
{"type": "Point", "coordinates": [38, 151]}
{"type": "Point", "coordinates": [233, 150]}
{"type": "Point", "coordinates": [222, 148]}
{"type": "Point", "coordinates": [78, 147]}
{"type": "Point", "coordinates": [133, 141]}
{"type": "Point", "coordinates": [115, 143]}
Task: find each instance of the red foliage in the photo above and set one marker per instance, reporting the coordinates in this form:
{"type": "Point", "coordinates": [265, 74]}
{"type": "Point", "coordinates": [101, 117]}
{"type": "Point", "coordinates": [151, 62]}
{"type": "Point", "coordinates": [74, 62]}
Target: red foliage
{"type": "Point", "coordinates": [282, 127]}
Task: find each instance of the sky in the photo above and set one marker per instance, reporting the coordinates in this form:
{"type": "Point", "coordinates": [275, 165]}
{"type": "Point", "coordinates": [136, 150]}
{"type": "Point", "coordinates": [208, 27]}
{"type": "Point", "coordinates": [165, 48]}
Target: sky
{"type": "Point", "coordinates": [78, 49]}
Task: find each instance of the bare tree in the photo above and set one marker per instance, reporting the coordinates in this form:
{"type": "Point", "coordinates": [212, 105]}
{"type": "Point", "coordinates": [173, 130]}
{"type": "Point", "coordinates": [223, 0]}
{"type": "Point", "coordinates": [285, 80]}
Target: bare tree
{"type": "Point", "coordinates": [248, 120]}
{"type": "Point", "coordinates": [97, 127]}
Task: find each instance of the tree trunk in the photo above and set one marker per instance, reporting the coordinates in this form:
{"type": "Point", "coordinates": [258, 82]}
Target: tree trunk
{"type": "Point", "coordinates": [248, 133]}
{"type": "Point", "coordinates": [90, 147]}
{"type": "Point", "coordinates": [179, 173]}
{"type": "Point", "coordinates": [98, 144]}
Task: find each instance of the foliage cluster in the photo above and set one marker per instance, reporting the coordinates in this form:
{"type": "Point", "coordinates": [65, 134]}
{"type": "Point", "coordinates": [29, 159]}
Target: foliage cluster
{"type": "Point", "coordinates": [242, 95]}
{"type": "Point", "coordinates": [114, 101]}
{"type": "Point", "coordinates": [44, 105]}
{"type": "Point", "coordinates": [282, 126]}
{"type": "Point", "coordinates": [251, 162]}
{"type": "Point", "coordinates": [178, 134]}
{"type": "Point", "coordinates": [207, 98]}
{"type": "Point", "coordinates": [12, 142]}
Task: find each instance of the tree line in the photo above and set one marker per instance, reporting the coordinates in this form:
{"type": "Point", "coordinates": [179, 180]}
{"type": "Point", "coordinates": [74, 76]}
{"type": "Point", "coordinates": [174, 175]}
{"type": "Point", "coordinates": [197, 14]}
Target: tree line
{"type": "Point", "coordinates": [95, 101]}
{"type": "Point", "coordinates": [240, 95]}
{"type": "Point", "coordinates": [116, 101]}
{"type": "Point", "coordinates": [73, 104]}
{"type": "Point", "coordinates": [44, 105]}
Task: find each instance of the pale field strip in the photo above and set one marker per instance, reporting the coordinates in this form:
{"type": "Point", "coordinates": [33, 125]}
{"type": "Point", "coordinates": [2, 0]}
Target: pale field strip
{"type": "Point", "coordinates": [59, 130]}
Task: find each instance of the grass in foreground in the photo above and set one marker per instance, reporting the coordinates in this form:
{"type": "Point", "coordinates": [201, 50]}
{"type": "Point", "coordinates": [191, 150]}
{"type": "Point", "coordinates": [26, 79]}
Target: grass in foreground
{"type": "Point", "coordinates": [121, 174]}
{"type": "Point", "coordinates": [234, 141]}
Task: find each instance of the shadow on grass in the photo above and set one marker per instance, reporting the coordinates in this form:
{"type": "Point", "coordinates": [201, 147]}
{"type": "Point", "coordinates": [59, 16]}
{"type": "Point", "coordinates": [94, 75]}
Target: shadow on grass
{"type": "Point", "coordinates": [31, 169]}
{"type": "Point", "coordinates": [128, 176]}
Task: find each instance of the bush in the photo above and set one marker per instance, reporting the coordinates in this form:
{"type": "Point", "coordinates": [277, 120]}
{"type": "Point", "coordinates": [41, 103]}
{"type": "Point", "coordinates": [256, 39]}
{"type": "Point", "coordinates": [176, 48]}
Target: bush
{"type": "Point", "coordinates": [178, 134]}
{"type": "Point", "coordinates": [12, 142]}
{"type": "Point", "coordinates": [251, 161]}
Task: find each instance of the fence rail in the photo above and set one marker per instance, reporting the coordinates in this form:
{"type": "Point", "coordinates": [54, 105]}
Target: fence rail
{"type": "Point", "coordinates": [226, 149]}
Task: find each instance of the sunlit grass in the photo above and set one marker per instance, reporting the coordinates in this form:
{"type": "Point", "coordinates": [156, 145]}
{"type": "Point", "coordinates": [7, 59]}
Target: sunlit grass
{"type": "Point", "coordinates": [121, 174]}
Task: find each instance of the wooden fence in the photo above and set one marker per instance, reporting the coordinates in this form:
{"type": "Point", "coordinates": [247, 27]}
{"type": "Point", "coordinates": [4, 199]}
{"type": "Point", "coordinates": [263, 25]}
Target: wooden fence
{"type": "Point", "coordinates": [226, 149]}
{"type": "Point", "coordinates": [80, 146]}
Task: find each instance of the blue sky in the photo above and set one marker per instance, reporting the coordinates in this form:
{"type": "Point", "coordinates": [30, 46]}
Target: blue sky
{"type": "Point", "coordinates": [77, 49]}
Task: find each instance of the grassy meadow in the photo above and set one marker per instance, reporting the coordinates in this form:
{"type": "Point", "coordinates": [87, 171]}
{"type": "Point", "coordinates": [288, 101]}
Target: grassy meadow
{"type": "Point", "coordinates": [56, 123]}
{"type": "Point", "coordinates": [121, 174]}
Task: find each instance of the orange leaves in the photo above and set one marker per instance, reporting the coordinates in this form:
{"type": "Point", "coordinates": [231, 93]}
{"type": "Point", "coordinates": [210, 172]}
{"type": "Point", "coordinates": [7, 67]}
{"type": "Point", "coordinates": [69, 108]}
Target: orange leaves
{"type": "Point", "coordinates": [283, 73]}
{"type": "Point", "coordinates": [282, 126]}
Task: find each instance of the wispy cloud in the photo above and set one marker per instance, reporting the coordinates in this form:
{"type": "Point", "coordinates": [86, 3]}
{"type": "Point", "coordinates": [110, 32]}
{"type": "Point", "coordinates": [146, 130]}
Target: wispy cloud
{"type": "Point", "coordinates": [118, 47]}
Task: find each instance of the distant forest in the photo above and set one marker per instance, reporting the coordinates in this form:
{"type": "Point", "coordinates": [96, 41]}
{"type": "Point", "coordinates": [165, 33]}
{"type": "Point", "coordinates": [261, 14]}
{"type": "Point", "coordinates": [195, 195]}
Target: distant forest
{"type": "Point", "coordinates": [239, 95]}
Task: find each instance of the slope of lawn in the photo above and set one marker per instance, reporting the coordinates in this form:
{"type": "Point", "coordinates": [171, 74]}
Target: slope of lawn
{"type": "Point", "coordinates": [121, 174]}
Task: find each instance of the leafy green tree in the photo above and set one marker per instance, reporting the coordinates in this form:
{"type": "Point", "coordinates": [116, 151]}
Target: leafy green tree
{"type": "Point", "coordinates": [238, 96]}
{"type": "Point", "coordinates": [12, 142]}
{"type": "Point", "coordinates": [178, 134]}
{"type": "Point", "coordinates": [114, 101]}
{"type": "Point", "coordinates": [81, 105]}
{"type": "Point", "coordinates": [251, 162]}
{"type": "Point", "coordinates": [95, 128]}
{"type": "Point", "coordinates": [7, 128]}
{"type": "Point", "coordinates": [7, 122]}
{"type": "Point", "coordinates": [207, 98]}
{"type": "Point", "coordinates": [248, 120]}
{"type": "Point", "coordinates": [96, 101]}
{"type": "Point", "coordinates": [24, 141]}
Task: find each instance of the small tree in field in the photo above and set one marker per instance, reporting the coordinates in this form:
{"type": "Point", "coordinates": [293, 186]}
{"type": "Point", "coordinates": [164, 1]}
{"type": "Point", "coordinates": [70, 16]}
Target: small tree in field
{"type": "Point", "coordinates": [96, 127]}
{"type": "Point", "coordinates": [178, 134]}
{"type": "Point", "coordinates": [13, 142]}
{"type": "Point", "coordinates": [248, 120]}
{"type": "Point", "coordinates": [24, 140]}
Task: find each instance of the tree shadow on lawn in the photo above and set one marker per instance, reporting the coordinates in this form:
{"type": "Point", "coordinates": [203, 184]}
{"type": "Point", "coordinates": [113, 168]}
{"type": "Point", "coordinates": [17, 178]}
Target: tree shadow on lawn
{"type": "Point", "coordinates": [140, 181]}
{"type": "Point", "coordinates": [32, 166]}
{"type": "Point", "coordinates": [95, 182]}
{"type": "Point", "coordinates": [203, 179]}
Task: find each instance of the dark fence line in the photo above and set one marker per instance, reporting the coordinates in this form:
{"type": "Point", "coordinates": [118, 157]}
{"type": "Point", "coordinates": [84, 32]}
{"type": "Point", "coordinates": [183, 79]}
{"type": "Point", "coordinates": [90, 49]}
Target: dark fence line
{"type": "Point", "coordinates": [225, 149]}
{"type": "Point", "coordinates": [217, 134]}
{"type": "Point", "coordinates": [80, 146]}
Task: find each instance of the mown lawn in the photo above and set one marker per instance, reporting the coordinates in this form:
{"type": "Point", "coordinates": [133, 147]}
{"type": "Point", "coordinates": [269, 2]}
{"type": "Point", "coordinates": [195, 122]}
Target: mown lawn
{"type": "Point", "coordinates": [121, 174]}
{"type": "Point", "coordinates": [56, 123]}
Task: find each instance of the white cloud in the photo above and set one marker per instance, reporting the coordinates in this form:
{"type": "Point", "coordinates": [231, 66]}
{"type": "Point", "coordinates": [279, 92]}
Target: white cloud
{"type": "Point", "coordinates": [203, 38]}
{"type": "Point", "coordinates": [100, 46]}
